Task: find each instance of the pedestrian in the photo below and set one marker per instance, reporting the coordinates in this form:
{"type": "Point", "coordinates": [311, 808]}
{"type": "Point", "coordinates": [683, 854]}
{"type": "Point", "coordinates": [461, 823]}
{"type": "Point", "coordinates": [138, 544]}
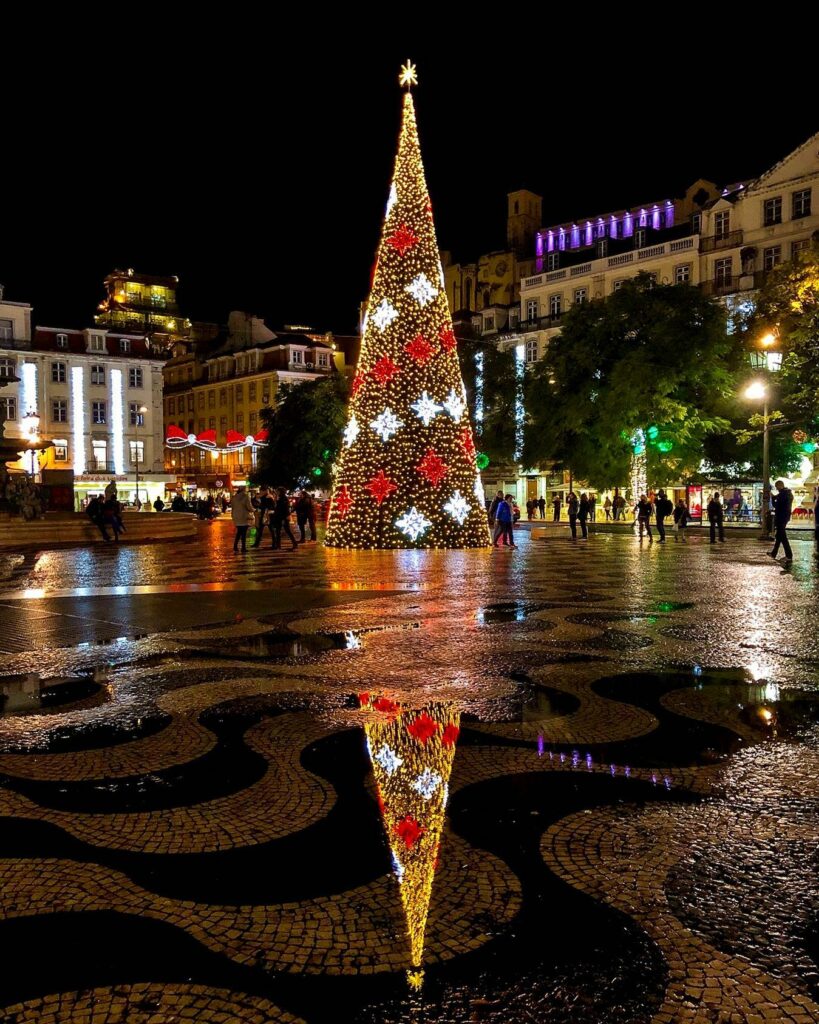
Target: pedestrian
{"type": "Point", "coordinates": [680, 520]}
{"type": "Point", "coordinates": [593, 507]}
{"type": "Point", "coordinates": [541, 505]}
{"type": "Point", "coordinates": [137, 503]}
{"type": "Point", "coordinates": [241, 512]}
{"type": "Point", "coordinates": [159, 504]}
{"type": "Point", "coordinates": [306, 513]}
{"type": "Point", "coordinates": [607, 507]}
{"type": "Point", "coordinates": [556, 503]}
{"type": "Point", "coordinates": [783, 505]}
{"type": "Point", "coordinates": [508, 533]}
{"type": "Point", "coordinates": [95, 512]}
{"type": "Point", "coordinates": [583, 513]}
{"type": "Point", "coordinates": [715, 518]}
{"type": "Point", "coordinates": [643, 513]}
{"type": "Point", "coordinates": [573, 506]}
{"type": "Point", "coordinates": [264, 512]}
{"type": "Point", "coordinates": [281, 519]}
{"type": "Point", "coordinates": [662, 508]}
{"type": "Point", "coordinates": [493, 508]}
{"type": "Point", "coordinates": [503, 521]}
{"type": "Point", "coordinates": [178, 504]}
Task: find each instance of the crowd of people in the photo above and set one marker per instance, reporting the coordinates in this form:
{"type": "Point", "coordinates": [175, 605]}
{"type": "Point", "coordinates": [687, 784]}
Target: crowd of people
{"type": "Point", "coordinates": [271, 510]}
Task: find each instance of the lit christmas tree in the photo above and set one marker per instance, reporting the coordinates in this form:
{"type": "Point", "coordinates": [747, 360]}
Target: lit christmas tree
{"type": "Point", "coordinates": [412, 753]}
{"type": "Point", "coordinates": [406, 476]}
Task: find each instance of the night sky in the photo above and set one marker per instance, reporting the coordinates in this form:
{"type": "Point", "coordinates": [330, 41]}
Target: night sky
{"type": "Point", "coordinates": [256, 168]}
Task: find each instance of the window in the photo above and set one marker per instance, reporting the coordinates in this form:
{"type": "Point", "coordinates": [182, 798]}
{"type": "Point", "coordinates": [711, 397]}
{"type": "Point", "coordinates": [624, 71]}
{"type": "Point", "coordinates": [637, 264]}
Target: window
{"type": "Point", "coordinates": [240, 392]}
{"type": "Point", "coordinates": [772, 211]}
{"type": "Point", "coordinates": [60, 452]}
{"type": "Point", "coordinates": [124, 346]}
{"type": "Point", "coordinates": [696, 223]}
{"type": "Point", "coordinates": [580, 295]}
{"type": "Point", "coordinates": [553, 261]}
{"type": "Point", "coordinates": [135, 377]}
{"type": "Point", "coordinates": [602, 248]}
{"type": "Point", "coordinates": [7, 367]}
{"type": "Point", "coordinates": [211, 423]}
{"type": "Point", "coordinates": [171, 405]}
{"type": "Point", "coordinates": [98, 412]}
{"type": "Point", "coordinates": [211, 399]}
{"type": "Point", "coordinates": [135, 416]}
{"type": "Point", "coordinates": [514, 316]}
{"type": "Point", "coordinates": [222, 396]}
{"type": "Point", "coordinates": [252, 419]}
{"type": "Point", "coordinates": [531, 350]}
{"type": "Point", "coordinates": [296, 356]}
{"type": "Point", "coordinates": [800, 203]}
{"type": "Point", "coordinates": [157, 299]}
{"type": "Point", "coordinates": [99, 455]}
{"type": "Point", "coordinates": [251, 391]}
{"type": "Point", "coordinates": [6, 330]}
{"type": "Point", "coordinates": [555, 303]}
{"type": "Point", "coordinates": [62, 341]}
{"type": "Point", "coordinates": [722, 272]}
{"type": "Point", "coordinates": [97, 374]}
{"type": "Point", "coordinates": [201, 425]}
{"type": "Point", "coordinates": [532, 309]}
{"type": "Point", "coordinates": [58, 373]}
{"type": "Point", "coordinates": [188, 373]}
{"type": "Point", "coordinates": [190, 403]}
{"type": "Point", "coordinates": [797, 247]}
{"type": "Point", "coordinates": [682, 273]}
{"type": "Point", "coordinates": [771, 256]}
{"type": "Point", "coordinates": [136, 452]}
{"type": "Point", "coordinates": [59, 410]}
{"type": "Point", "coordinates": [640, 238]}
{"type": "Point", "coordinates": [240, 421]}
{"type": "Point", "coordinates": [323, 359]}
{"type": "Point", "coordinates": [97, 342]}
{"type": "Point", "coordinates": [618, 284]}
{"type": "Point", "coordinates": [201, 401]}
{"type": "Point", "coordinates": [722, 224]}
{"type": "Point", "coordinates": [488, 324]}
{"type": "Point", "coordinates": [223, 423]}
{"type": "Point", "coordinates": [8, 408]}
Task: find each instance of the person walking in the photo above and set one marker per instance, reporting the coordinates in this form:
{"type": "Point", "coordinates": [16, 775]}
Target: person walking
{"type": "Point", "coordinates": [556, 503]}
{"type": "Point", "coordinates": [503, 522]}
{"type": "Point", "coordinates": [783, 505]}
{"type": "Point", "coordinates": [680, 520]}
{"type": "Point", "coordinates": [593, 507]}
{"type": "Point", "coordinates": [242, 514]}
{"type": "Point", "coordinates": [113, 518]}
{"type": "Point", "coordinates": [573, 507]}
{"type": "Point", "coordinates": [583, 513]}
{"type": "Point", "coordinates": [541, 506]}
{"type": "Point", "coordinates": [264, 513]}
{"type": "Point", "coordinates": [95, 512]}
{"type": "Point", "coordinates": [715, 518]}
{"type": "Point", "coordinates": [643, 511]}
{"type": "Point", "coordinates": [662, 508]}
{"type": "Point", "coordinates": [281, 520]}
{"type": "Point", "coordinates": [607, 507]}
{"type": "Point", "coordinates": [493, 508]}
{"type": "Point", "coordinates": [306, 514]}
{"type": "Point", "coordinates": [509, 531]}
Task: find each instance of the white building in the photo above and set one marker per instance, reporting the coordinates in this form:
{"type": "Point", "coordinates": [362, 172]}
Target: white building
{"type": "Point", "coordinates": [97, 395]}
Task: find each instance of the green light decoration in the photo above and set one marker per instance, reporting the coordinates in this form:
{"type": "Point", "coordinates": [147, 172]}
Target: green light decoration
{"type": "Point", "coordinates": [809, 447]}
{"type": "Point", "coordinates": [482, 460]}
{"type": "Point", "coordinates": [653, 433]}
{"type": "Point", "coordinates": [665, 446]}
{"type": "Point", "coordinates": [625, 435]}
{"type": "Point", "coordinates": [325, 455]}
{"type": "Point", "coordinates": [316, 471]}
{"type": "Point", "coordinates": [638, 449]}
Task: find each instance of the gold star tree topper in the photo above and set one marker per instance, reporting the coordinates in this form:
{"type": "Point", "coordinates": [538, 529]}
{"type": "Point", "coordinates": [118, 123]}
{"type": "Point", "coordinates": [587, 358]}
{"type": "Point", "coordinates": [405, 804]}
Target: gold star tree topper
{"type": "Point", "coordinates": [408, 76]}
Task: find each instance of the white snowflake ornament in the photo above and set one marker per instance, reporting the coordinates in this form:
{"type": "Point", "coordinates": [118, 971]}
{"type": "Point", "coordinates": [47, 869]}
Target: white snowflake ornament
{"type": "Point", "coordinates": [458, 508]}
{"type": "Point", "coordinates": [392, 199]}
{"type": "Point", "coordinates": [388, 759]}
{"type": "Point", "coordinates": [454, 405]}
{"type": "Point", "coordinates": [426, 783]}
{"type": "Point", "coordinates": [386, 424]}
{"type": "Point", "coordinates": [351, 431]}
{"type": "Point", "coordinates": [422, 290]}
{"type": "Point", "coordinates": [384, 315]}
{"type": "Point", "coordinates": [413, 524]}
{"type": "Point", "coordinates": [426, 409]}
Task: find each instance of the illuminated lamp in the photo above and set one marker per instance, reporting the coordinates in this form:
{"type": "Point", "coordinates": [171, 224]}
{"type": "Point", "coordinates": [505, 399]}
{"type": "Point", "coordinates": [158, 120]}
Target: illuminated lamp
{"type": "Point", "coordinates": [665, 446]}
{"type": "Point", "coordinates": [652, 433]}
{"type": "Point", "coordinates": [482, 460]}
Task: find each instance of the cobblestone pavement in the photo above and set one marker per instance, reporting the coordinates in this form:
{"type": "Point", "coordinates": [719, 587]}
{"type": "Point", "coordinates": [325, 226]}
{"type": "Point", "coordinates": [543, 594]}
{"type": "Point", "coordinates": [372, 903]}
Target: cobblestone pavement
{"type": "Point", "coordinates": [191, 830]}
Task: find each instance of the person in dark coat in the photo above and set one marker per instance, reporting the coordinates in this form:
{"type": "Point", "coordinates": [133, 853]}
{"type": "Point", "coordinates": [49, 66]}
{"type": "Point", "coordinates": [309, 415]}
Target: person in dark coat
{"type": "Point", "coordinates": [493, 508]}
{"type": "Point", "coordinates": [541, 505]}
{"type": "Point", "coordinates": [556, 503]}
{"type": "Point", "coordinates": [583, 513]}
{"type": "Point", "coordinates": [643, 510]}
{"type": "Point", "coordinates": [573, 505]}
{"type": "Point", "coordinates": [783, 505]}
{"type": "Point", "coordinates": [715, 518]}
{"type": "Point", "coordinates": [96, 513]}
{"type": "Point", "coordinates": [306, 513]}
{"type": "Point", "coordinates": [159, 504]}
{"type": "Point", "coordinates": [179, 504]}
{"type": "Point", "coordinates": [280, 519]}
{"type": "Point", "coordinates": [503, 522]}
{"type": "Point", "coordinates": [662, 507]}
{"type": "Point", "coordinates": [681, 520]}
{"type": "Point", "coordinates": [264, 513]}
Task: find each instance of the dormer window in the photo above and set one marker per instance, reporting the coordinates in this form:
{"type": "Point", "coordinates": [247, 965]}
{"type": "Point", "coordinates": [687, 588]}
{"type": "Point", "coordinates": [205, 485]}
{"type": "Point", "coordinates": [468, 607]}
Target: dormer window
{"type": "Point", "coordinates": [124, 345]}
{"type": "Point", "coordinates": [324, 359]}
{"type": "Point", "coordinates": [640, 238]}
{"type": "Point", "coordinates": [552, 261]}
{"type": "Point", "coordinates": [62, 341]}
{"type": "Point", "coordinates": [97, 342]}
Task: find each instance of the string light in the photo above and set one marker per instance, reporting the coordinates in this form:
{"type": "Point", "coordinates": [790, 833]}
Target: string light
{"type": "Point", "coordinates": [408, 363]}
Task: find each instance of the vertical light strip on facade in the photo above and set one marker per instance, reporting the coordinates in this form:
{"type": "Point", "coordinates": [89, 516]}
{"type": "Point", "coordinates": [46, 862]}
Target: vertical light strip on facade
{"type": "Point", "coordinates": [520, 412]}
{"type": "Point", "coordinates": [479, 393]}
{"type": "Point", "coordinates": [117, 422]}
{"type": "Point", "coordinates": [78, 419]}
{"type": "Point", "coordinates": [28, 389]}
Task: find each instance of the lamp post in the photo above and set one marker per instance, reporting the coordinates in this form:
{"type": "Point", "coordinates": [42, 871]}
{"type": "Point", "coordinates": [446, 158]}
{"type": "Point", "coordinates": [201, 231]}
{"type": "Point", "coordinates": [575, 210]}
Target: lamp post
{"type": "Point", "coordinates": [139, 422]}
{"type": "Point", "coordinates": [765, 357]}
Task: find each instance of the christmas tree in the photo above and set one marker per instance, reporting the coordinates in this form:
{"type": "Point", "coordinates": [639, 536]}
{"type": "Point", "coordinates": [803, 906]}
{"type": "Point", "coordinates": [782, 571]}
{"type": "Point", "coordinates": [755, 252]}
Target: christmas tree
{"type": "Point", "coordinates": [411, 754]}
{"type": "Point", "coordinates": [406, 475]}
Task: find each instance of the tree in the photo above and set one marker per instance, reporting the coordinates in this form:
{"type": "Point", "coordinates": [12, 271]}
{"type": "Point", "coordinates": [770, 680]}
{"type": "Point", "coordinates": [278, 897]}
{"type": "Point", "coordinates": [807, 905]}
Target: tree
{"type": "Point", "coordinates": [406, 474]}
{"type": "Point", "coordinates": [651, 359]}
{"type": "Point", "coordinates": [304, 430]}
{"type": "Point", "coordinates": [495, 433]}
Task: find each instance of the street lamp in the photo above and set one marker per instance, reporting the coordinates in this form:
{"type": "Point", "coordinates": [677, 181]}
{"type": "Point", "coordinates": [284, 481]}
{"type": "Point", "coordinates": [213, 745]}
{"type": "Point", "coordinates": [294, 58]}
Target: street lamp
{"type": "Point", "coordinates": [137, 454]}
{"type": "Point", "coordinates": [758, 391]}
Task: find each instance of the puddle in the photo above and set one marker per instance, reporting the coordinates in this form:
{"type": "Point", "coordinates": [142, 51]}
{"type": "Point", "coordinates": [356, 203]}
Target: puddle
{"type": "Point", "coordinates": [31, 694]}
{"type": "Point", "coordinates": [507, 611]}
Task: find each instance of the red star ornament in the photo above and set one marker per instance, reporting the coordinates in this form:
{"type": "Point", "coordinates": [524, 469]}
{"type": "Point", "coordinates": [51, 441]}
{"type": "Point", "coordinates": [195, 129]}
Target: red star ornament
{"type": "Point", "coordinates": [433, 467]}
{"type": "Point", "coordinates": [343, 501]}
{"type": "Point", "coordinates": [409, 830]}
{"type": "Point", "coordinates": [420, 349]}
{"type": "Point", "coordinates": [450, 735]}
{"type": "Point", "coordinates": [386, 706]}
{"type": "Point", "coordinates": [380, 487]}
{"type": "Point", "coordinates": [384, 370]}
{"type": "Point", "coordinates": [423, 728]}
{"type": "Point", "coordinates": [358, 380]}
{"type": "Point", "coordinates": [446, 336]}
{"type": "Point", "coordinates": [468, 443]}
{"type": "Point", "coordinates": [363, 699]}
{"type": "Point", "coordinates": [402, 239]}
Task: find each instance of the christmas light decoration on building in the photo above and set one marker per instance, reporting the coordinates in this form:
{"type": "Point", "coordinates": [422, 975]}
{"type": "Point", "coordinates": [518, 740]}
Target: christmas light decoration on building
{"type": "Point", "coordinates": [78, 418]}
{"type": "Point", "coordinates": [177, 438]}
{"type": "Point", "coordinates": [407, 389]}
{"type": "Point", "coordinates": [412, 754]}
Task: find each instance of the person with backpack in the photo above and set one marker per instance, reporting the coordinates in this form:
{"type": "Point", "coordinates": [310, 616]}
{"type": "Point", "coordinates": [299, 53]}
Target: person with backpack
{"type": "Point", "coordinates": [662, 507]}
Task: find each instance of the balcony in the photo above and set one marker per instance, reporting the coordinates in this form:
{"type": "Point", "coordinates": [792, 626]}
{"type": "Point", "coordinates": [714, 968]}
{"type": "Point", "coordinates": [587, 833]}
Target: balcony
{"type": "Point", "coordinates": [716, 242]}
{"type": "Point", "coordinates": [17, 344]}
{"type": "Point", "coordinates": [721, 285]}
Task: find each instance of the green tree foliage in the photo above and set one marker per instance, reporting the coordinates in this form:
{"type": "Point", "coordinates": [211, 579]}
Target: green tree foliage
{"type": "Point", "coordinates": [305, 429]}
{"type": "Point", "coordinates": [496, 436]}
{"type": "Point", "coordinates": [648, 356]}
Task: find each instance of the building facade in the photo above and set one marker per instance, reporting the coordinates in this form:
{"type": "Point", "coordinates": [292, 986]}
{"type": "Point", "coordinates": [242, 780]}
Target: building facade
{"type": "Point", "coordinates": [143, 304]}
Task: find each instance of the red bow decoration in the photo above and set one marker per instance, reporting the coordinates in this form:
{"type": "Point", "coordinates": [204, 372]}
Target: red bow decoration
{"type": "Point", "coordinates": [176, 437]}
{"type": "Point", "coordinates": [207, 439]}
